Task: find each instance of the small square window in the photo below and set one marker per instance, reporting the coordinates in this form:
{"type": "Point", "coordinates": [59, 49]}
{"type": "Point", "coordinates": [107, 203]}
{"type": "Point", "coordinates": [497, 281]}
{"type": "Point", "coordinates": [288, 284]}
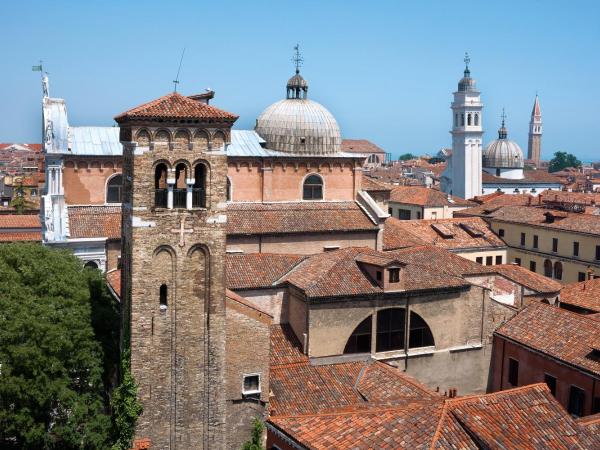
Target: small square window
{"type": "Point", "coordinates": [479, 260]}
{"type": "Point", "coordinates": [489, 260]}
{"type": "Point", "coordinates": [378, 275]}
{"type": "Point", "coordinates": [532, 266]}
{"type": "Point", "coordinates": [551, 383]}
{"type": "Point", "coordinates": [394, 275]}
{"type": "Point", "coordinates": [251, 384]}
{"type": "Point", "coordinates": [581, 276]}
{"type": "Point", "coordinates": [498, 259]}
{"type": "Point", "coordinates": [518, 261]}
{"type": "Point", "coordinates": [501, 232]}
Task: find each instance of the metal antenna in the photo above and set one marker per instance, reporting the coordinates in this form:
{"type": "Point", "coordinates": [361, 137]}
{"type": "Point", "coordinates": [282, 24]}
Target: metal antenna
{"type": "Point", "coordinates": [297, 59]}
{"type": "Point", "coordinates": [176, 80]}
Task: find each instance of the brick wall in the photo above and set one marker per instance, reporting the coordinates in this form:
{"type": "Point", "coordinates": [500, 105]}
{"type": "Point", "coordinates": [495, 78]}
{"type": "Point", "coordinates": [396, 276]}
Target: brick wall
{"type": "Point", "coordinates": [247, 352]}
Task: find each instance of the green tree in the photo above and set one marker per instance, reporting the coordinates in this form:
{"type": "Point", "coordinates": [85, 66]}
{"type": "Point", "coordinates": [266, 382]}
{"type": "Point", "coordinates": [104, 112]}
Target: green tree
{"type": "Point", "coordinates": [406, 157]}
{"type": "Point", "coordinates": [19, 202]}
{"type": "Point", "coordinates": [52, 358]}
{"type": "Point", "coordinates": [255, 442]}
{"type": "Point", "coordinates": [562, 160]}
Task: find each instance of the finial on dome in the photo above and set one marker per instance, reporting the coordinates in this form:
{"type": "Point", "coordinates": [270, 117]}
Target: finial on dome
{"type": "Point", "coordinates": [467, 61]}
{"type": "Point", "coordinates": [503, 132]}
{"type": "Point", "coordinates": [297, 87]}
{"type": "Point", "coordinates": [297, 59]}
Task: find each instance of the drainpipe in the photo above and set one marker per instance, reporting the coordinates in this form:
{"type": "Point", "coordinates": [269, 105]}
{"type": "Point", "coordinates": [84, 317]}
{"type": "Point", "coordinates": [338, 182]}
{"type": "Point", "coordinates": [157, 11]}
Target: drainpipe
{"type": "Point", "coordinates": [406, 332]}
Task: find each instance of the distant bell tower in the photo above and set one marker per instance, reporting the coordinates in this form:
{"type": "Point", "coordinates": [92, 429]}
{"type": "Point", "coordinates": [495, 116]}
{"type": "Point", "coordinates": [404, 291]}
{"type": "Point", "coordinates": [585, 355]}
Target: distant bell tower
{"type": "Point", "coordinates": [467, 137]}
{"type": "Point", "coordinates": [173, 279]}
{"type": "Point", "coordinates": [534, 145]}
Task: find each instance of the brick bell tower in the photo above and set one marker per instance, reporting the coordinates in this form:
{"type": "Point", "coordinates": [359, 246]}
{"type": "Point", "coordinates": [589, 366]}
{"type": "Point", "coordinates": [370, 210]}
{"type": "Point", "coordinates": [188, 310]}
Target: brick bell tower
{"type": "Point", "coordinates": [173, 277]}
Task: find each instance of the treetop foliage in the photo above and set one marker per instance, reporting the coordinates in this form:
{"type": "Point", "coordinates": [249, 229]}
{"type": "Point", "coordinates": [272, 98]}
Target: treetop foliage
{"type": "Point", "coordinates": [562, 160]}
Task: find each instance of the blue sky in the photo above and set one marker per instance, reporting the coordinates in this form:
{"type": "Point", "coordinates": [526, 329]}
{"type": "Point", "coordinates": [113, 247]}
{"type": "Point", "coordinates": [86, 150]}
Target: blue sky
{"type": "Point", "coordinates": [385, 69]}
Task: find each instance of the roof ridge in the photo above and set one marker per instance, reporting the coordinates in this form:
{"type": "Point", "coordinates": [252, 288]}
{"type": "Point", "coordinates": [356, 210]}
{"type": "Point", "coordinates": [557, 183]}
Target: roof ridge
{"type": "Point", "coordinates": [467, 398]}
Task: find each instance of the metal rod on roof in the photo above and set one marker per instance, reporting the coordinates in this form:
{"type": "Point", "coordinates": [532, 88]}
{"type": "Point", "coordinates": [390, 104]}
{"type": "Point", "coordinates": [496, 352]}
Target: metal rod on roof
{"type": "Point", "coordinates": [176, 80]}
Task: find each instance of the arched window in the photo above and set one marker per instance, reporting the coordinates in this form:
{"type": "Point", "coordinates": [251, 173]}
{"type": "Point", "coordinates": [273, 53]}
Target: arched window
{"type": "Point", "coordinates": [199, 188]}
{"type": "Point", "coordinates": [462, 120]}
{"type": "Point", "coordinates": [360, 339]}
{"type": "Point", "coordinates": [179, 190]}
{"type": "Point", "coordinates": [113, 189]}
{"type": "Point", "coordinates": [390, 329]}
{"type": "Point", "coordinates": [162, 296]}
{"type": "Point", "coordinates": [313, 188]}
{"type": "Point", "coordinates": [469, 119]}
{"type": "Point", "coordinates": [548, 268]}
{"type": "Point", "coordinates": [476, 119]}
{"type": "Point", "coordinates": [455, 120]}
{"type": "Point", "coordinates": [91, 265]}
{"type": "Point", "coordinates": [420, 333]}
{"type": "Point", "coordinates": [160, 186]}
{"type": "Point", "coordinates": [373, 159]}
{"type": "Point", "coordinates": [558, 270]}
{"type": "Point", "coordinates": [228, 189]}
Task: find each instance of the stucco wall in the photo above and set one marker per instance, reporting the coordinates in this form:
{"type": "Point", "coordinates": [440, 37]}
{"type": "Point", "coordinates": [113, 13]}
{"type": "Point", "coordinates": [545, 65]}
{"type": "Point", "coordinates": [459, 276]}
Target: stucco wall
{"type": "Point", "coordinates": [572, 265]}
{"type": "Point", "coordinates": [84, 179]}
{"type": "Point", "coordinates": [533, 367]}
{"type": "Point", "coordinates": [275, 301]}
{"type": "Point", "coordinates": [443, 212]}
{"type": "Point", "coordinates": [253, 180]}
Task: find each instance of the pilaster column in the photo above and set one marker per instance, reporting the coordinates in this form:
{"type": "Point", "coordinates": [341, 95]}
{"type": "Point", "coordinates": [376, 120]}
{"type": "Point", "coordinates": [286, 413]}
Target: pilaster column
{"type": "Point", "coordinates": [189, 192]}
{"type": "Point", "coordinates": [170, 185]}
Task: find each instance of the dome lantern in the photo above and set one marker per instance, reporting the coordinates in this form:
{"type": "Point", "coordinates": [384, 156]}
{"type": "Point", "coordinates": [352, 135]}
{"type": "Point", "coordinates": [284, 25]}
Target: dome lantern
{"type": "Point", "coordinates": [297, 86]}
{"type": "Point", "coordinates": [503, 154]}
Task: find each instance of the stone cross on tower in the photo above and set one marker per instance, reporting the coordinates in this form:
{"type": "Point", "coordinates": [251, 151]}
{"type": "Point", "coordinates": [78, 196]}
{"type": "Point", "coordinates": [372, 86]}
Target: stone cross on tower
{"type": "Point", "coordinates": [182, 231]}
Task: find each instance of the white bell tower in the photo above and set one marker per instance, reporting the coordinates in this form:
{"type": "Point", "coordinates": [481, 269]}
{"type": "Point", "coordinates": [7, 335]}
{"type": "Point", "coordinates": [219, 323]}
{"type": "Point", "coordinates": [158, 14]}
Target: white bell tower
{"type": "Point", "coordinates": [464, 169]}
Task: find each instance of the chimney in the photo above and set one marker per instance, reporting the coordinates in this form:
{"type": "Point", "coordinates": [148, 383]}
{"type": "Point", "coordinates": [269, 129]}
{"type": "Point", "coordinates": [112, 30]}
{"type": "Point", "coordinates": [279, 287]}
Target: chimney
{"type": "Point", "coordinates": [529, 201]}
{"type": "Point", "coordinates": [540, 199]}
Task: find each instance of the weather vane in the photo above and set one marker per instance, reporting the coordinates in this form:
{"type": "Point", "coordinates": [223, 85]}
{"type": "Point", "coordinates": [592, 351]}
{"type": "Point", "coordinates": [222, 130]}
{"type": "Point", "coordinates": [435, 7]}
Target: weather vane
{"type": "Point", "coordinates": [467, 59]}
{"type": "Point", "coordinates": [297, 59]}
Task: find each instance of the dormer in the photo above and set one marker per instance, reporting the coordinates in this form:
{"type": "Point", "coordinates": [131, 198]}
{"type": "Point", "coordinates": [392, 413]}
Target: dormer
{"type": "Point", "coordinates": [385, 271]}
{"type": "Point", "coordinates": [554, 216]}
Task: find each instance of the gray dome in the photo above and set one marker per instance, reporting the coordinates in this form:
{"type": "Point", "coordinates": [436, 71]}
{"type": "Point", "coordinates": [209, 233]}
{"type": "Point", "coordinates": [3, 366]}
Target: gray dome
{"type": "Point", "coordinates": [298, 125]}
{"type": "Point", "coordinates": [503, 154]}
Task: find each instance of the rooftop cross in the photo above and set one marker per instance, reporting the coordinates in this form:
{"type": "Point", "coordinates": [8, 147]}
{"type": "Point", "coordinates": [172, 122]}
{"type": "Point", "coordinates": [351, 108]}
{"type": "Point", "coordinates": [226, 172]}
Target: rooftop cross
{"type": "Point", "coordinates": [467, 60]}
{"type": "Point", "coordinates": [297, 59]}
{"type": "Point", "coordinates": [503, 116]}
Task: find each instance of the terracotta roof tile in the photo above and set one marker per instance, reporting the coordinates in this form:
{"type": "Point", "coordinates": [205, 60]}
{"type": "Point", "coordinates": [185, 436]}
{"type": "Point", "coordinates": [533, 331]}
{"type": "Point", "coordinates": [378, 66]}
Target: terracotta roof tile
{"type": "Point", "coordinates": [422, 196]}
{"type": "Point", "coordinates": [531, 280]}
{"type": "Point", "coordinates": [556, 332]}
{"type": "Point", "coordinates": [372, 185]}
{"type": "Point", "coordinates": [20, 221]}
{"type": "Point", "coordinates": [338, 273]}
{"type": "Point", "coordinates": [20, 236]}
{"type": "Point", "coordinates": [95, 221]}
{"type": "Point", "coordinates": [175, 106]}
{"type": "Point", "coordinates": [492, 202]}
{"type": "Point", "coordinates": [466, 233]}
{"type": "Point", "coordinates": [296, 217]}
{"type": "Point", "coordinates": [585, 294]}
{"type": "Point", "coordinates": [582, 223]}
{"type": "Point", "coordinates": [258, 270]}
{"type": "Point", "coordinates": [525, 418]}
{"type": "Point", "coordinates": [360, 146]}
{"type": "Point", "coordinates": [113, 278]}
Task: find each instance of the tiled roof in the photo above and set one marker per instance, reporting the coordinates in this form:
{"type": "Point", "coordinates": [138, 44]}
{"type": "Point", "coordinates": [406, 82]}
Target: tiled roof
{"type": "Point", "coordinates": [556, 332]}
{"type": "Point", "coordinates": [528, 417]}
{"type": "Point", "coordinates": [368, 404]}
{"type": "Point", "coordinates": [422, 196]}
{"type": "Point", "coordinates": [258, 270]}
{"type": "Point", "coordinates": [531, 280]}
{"type": "Point", "coordinates": [175, 106]}
{"type": "Point", "coordinates": [14, 221]}
{"type": "Point", "coordinates": [588, 198]}
{"type": "Point", "coordinates": [492, 202]}
{"type": "Point", "coordinates": [360, 146]}
{"type": "Point", "coordinates": [582, 223]}
{"type": "Point", "coordinates": [20, 236]}
{"type": "Point", "coordinates": [296, 217]}
{"type": "Point", "coordinates": [530, 177]}
{"type": "Point", "coordinates": [113, 278]}
{"type": "Point", "coordinates": [95, 222]}
{"type": "Point", "coordinates": [585, 294]}
{"type": "Point", "coordinates": [372, 185]}
{"type": "Point", "coordinates": [338, 273]}
{"type": "Point", "coordinates": [461, 233]}
{"type": "Point", "coordinates": [591, 425]}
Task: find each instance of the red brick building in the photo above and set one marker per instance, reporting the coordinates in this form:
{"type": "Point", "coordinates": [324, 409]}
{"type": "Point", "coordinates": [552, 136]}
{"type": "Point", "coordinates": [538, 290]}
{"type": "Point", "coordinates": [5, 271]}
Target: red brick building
{"type": "Point", "coordinates": [547, 344]}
